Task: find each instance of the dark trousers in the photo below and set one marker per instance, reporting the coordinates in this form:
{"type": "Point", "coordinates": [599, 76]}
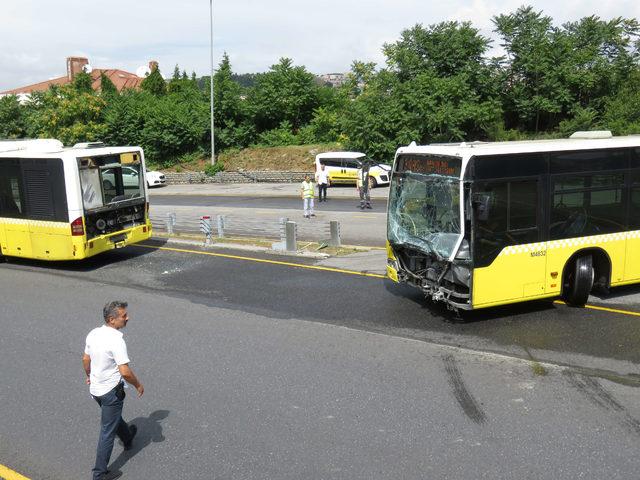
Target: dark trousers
{"type": "Point", "coordinates": [365, 198]}
{"type": "Point", "coordinates": [322, 187]}
{"type": "Point", "coordinates": [111, 404]}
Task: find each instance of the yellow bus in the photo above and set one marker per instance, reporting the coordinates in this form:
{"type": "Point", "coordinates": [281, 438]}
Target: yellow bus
{"type": "Point", "coordinates": [61, 203]}
{"type": "Point", "coordinates": [483, 224]}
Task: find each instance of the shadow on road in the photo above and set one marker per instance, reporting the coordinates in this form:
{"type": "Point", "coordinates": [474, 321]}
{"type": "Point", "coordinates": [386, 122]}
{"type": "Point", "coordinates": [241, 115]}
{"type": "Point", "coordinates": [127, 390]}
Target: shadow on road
{"type": "Point", "coordinates": [149, 431]}
{"type": "Point", "coordinates": [93, 263]}
{"type": "Point", "coordinates": [439, 309]}
{"type": "Point", "coordinates": [618, 292]}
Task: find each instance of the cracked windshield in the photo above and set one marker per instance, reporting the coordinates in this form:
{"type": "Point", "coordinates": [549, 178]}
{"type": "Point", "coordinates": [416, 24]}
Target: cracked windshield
{"type": "Point", "coordinates": [424, 206]}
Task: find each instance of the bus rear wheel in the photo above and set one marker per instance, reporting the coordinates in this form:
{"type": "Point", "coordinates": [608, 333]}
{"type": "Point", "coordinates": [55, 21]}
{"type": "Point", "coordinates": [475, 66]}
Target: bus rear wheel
{"type": "Point", "coordinates": [579, 281]}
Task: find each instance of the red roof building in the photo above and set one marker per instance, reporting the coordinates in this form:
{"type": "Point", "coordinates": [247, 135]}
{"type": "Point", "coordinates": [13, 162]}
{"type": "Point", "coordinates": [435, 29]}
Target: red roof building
{"type": "Point", "coordinates": [120, 78]}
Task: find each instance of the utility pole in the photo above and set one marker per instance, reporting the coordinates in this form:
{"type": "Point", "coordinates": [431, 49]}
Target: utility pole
{"type": "Point", "coordinates": [213, 150]}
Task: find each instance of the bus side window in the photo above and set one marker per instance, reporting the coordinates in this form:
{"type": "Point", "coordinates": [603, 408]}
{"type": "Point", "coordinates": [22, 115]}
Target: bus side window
{"type": "Point", "coordinates": [587, 205]}
{"type": "Point", "coordinates": [634, 198]}
{"type": "Point", "coordinates": [10, 193]}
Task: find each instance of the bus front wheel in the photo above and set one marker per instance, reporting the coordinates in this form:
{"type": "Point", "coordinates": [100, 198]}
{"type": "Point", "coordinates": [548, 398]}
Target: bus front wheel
{"type": "Point", "coordinates": [579, 281]}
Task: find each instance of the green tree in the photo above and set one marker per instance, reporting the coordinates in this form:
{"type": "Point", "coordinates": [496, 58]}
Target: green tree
{"type": "Point", "coordinates": [553, 74]}
{"type": "Point", "coordinates": [446, 49]}
{"type": "Point", "coordinates": [106, 85]}
{"type": "Point", "coordinates": [12, 118]}
{"type": "Point", "coordinates": [284, 94]}
{"type": "Point", "coordinates": [166, 126]}
{"type": "Point", "coordinates": [230, 115]}
{"type": "Point", "coordinates": [428, 93]}
{"type": "Point", "coordinates": [67, 113]}
{"type": "Point", "coordinates": [622, 111]}
{"type": "Point", "coordinates": [154, 83]}
{"type": "Point", "coordinates": [82, 82]}
{"type": "Point", "coordinates": [176, 73]}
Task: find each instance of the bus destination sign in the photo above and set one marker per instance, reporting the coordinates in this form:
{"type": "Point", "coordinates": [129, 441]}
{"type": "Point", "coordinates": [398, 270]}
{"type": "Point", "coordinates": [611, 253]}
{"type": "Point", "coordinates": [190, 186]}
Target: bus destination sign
{"type": "Point", "coordinates": [430, 165]}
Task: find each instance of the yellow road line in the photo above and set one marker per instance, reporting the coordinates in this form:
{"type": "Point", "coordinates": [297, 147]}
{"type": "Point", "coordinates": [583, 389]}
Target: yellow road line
{"type": "Point", "coordinates": [262, 260]}
{"type": "Point", "coordinates": [606, 309]}
{"type": "Point", "coordinates": [8, 474]}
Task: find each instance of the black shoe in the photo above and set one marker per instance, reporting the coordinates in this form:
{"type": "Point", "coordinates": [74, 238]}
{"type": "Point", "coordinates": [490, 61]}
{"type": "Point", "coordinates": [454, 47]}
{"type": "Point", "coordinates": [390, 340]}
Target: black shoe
{"type": "Point", "coordinates": [132, 430]}
{"type": "Point", "coordinates": [369, 207]}
{"type": "Point", "coordinates": [111, 475]}
{"type": "Point", "coordinates": [361, 207]}
{"type": "Point", "coordinates": [313, 215]}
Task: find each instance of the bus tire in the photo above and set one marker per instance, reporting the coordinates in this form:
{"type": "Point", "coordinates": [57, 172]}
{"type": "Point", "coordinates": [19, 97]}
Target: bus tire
{"type": "Point", "coordinates": [579, 281]}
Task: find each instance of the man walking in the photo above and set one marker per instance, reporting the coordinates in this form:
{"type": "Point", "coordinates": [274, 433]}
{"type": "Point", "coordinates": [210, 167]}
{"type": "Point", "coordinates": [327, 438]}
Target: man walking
{"type": "Point", "coordinates": [362, 185]}
{"type": "Point", "coordinates": [322, 179]}
{"type": "Point", "coordinates": [307, 193]}
{"type": "Point", "coordinates": [106, 363]}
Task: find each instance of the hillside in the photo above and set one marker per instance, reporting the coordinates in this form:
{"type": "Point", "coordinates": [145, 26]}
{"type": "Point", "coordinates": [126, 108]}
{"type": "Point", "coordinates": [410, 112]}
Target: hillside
{"type": "Point", "coordinates": [298, 158]}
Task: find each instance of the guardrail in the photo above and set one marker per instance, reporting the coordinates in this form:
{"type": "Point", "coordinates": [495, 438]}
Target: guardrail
{"type": "Point", "coordinates": [221, 226]}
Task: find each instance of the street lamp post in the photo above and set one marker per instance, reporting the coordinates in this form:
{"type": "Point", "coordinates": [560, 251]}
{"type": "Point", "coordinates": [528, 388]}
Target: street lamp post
{"type": "Point", "coordinates": [213, 151]}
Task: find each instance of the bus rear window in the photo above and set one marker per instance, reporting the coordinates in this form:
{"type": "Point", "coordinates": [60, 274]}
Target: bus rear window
{"type": "Point", "coordinates": [110, 179]}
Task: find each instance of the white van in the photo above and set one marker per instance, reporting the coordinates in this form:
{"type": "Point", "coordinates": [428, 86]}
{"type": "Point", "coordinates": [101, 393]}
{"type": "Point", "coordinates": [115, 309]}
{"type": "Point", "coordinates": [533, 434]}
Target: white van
{"type": "Point", "coordinates": [343, 168]}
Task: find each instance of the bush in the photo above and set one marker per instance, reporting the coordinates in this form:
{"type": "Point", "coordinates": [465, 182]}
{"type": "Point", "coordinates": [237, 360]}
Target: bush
{"type": "Point", "coordinates": [211, 170]}
{"type": "Point", "coordinates": [281, 136]}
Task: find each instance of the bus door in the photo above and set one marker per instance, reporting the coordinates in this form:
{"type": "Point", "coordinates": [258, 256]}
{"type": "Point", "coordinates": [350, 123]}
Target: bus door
{"type": "Point", "coordinates": [632, 257]}
{"type": "Point", "coordinates": [509, 258]}
{"type": "Point", "coordinates": [14, 229]}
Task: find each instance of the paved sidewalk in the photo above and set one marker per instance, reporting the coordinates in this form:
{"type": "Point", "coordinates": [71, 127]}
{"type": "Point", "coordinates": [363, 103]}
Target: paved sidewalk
{"type": "Point", "coordinates": [259, 190]}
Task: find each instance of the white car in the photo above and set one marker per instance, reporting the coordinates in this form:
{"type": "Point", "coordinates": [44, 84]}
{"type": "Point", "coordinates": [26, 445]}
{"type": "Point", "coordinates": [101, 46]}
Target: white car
{"type": "Point", "coordinates": [130, 178]}
{"type": "Point", "coordinates": [155, 179]}
{"type": "Point", "coordinates": [342, 167]}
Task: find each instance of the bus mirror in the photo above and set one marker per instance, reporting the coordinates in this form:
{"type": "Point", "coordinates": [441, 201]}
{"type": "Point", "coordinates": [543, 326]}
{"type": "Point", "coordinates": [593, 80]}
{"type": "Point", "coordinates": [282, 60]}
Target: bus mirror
{"type": "Point", "coordinates": [481, 205]}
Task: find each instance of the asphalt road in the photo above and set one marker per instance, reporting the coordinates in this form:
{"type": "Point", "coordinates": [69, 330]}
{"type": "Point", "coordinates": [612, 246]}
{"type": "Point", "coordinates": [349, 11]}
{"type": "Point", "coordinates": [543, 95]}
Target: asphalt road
{"type": "Point", "coordinates": [283, 203]}
{"type": "Point", "coordinates": [260, 370]}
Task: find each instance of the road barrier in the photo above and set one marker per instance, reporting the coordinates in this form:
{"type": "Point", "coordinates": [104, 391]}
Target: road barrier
{"type": "Point", "coordinates": [287, 232]}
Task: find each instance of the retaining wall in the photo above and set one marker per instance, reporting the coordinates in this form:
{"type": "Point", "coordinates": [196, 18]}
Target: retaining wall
{"type": "Point", "coordinates": [235, 177]}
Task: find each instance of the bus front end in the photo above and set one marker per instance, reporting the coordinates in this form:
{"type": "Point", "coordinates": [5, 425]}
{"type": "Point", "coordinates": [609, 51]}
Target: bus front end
{"type": "Point", "coordinates": [426, 247]}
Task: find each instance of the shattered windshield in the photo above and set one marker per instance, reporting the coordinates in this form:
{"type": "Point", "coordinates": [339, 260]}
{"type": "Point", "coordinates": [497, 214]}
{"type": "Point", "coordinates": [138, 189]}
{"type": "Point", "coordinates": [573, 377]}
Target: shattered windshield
{"type": "Point", "coordinates": [424, 207]}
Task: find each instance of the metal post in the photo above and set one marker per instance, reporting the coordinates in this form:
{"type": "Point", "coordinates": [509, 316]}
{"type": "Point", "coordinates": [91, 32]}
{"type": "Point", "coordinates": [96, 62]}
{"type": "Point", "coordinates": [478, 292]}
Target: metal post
{"type": "Point", "coordinates": [213, 149]}
{"type": "Point", "coordinates": [171, 222]}
{"type": "Point", "coordinates": [291, 241]}
{"type": "Point", "coordinates": [334, 228]}
{"type": "Point", "coordinates": [220, 219]}
{"type": "Point", "coordinates": [205, 227]}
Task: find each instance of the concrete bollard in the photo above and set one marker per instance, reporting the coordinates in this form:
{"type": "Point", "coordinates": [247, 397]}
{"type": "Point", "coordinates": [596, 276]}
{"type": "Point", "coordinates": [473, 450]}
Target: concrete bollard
{"type": "Point", "coordinates": [220, 222]}
{"type": "Point", "coordinates": [291, 237]}
{"type": "Point", "coordinates": [171, 223]}
{"type": "Point", "coordinates": [334, 228]}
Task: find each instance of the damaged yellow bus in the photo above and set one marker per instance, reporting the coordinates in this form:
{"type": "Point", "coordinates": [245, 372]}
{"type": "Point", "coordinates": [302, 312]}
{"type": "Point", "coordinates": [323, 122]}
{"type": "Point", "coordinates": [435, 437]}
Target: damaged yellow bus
{"type": "Point", "coordinates": [61, 203]}
{"type": "Point", "coordinates": [478, 225]}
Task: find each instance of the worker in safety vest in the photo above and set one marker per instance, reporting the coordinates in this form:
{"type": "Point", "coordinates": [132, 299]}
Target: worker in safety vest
{"type": "Point", "coordinates": [362, 184]}
{"type": "Point", "coordinates": [307, 192]}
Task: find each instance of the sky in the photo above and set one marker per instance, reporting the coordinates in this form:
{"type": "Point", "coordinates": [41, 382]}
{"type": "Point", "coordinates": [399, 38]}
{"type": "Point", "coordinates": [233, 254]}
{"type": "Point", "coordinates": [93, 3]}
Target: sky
{"type": "Point", "coordinates": [326, 36]}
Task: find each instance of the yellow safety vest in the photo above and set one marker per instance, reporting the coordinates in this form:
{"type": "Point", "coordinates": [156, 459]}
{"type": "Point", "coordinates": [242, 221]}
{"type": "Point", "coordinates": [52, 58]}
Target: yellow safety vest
{"type": "Point", "coordinates": [307, 189]}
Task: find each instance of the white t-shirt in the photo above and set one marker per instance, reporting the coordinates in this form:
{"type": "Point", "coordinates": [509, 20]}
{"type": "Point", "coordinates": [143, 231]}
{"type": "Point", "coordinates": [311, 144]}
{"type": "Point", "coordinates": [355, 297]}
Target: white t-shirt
{"type": "Point", "coordinates": [107, 350]}
{"type": "Point", "coordinates": [322, 177]}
